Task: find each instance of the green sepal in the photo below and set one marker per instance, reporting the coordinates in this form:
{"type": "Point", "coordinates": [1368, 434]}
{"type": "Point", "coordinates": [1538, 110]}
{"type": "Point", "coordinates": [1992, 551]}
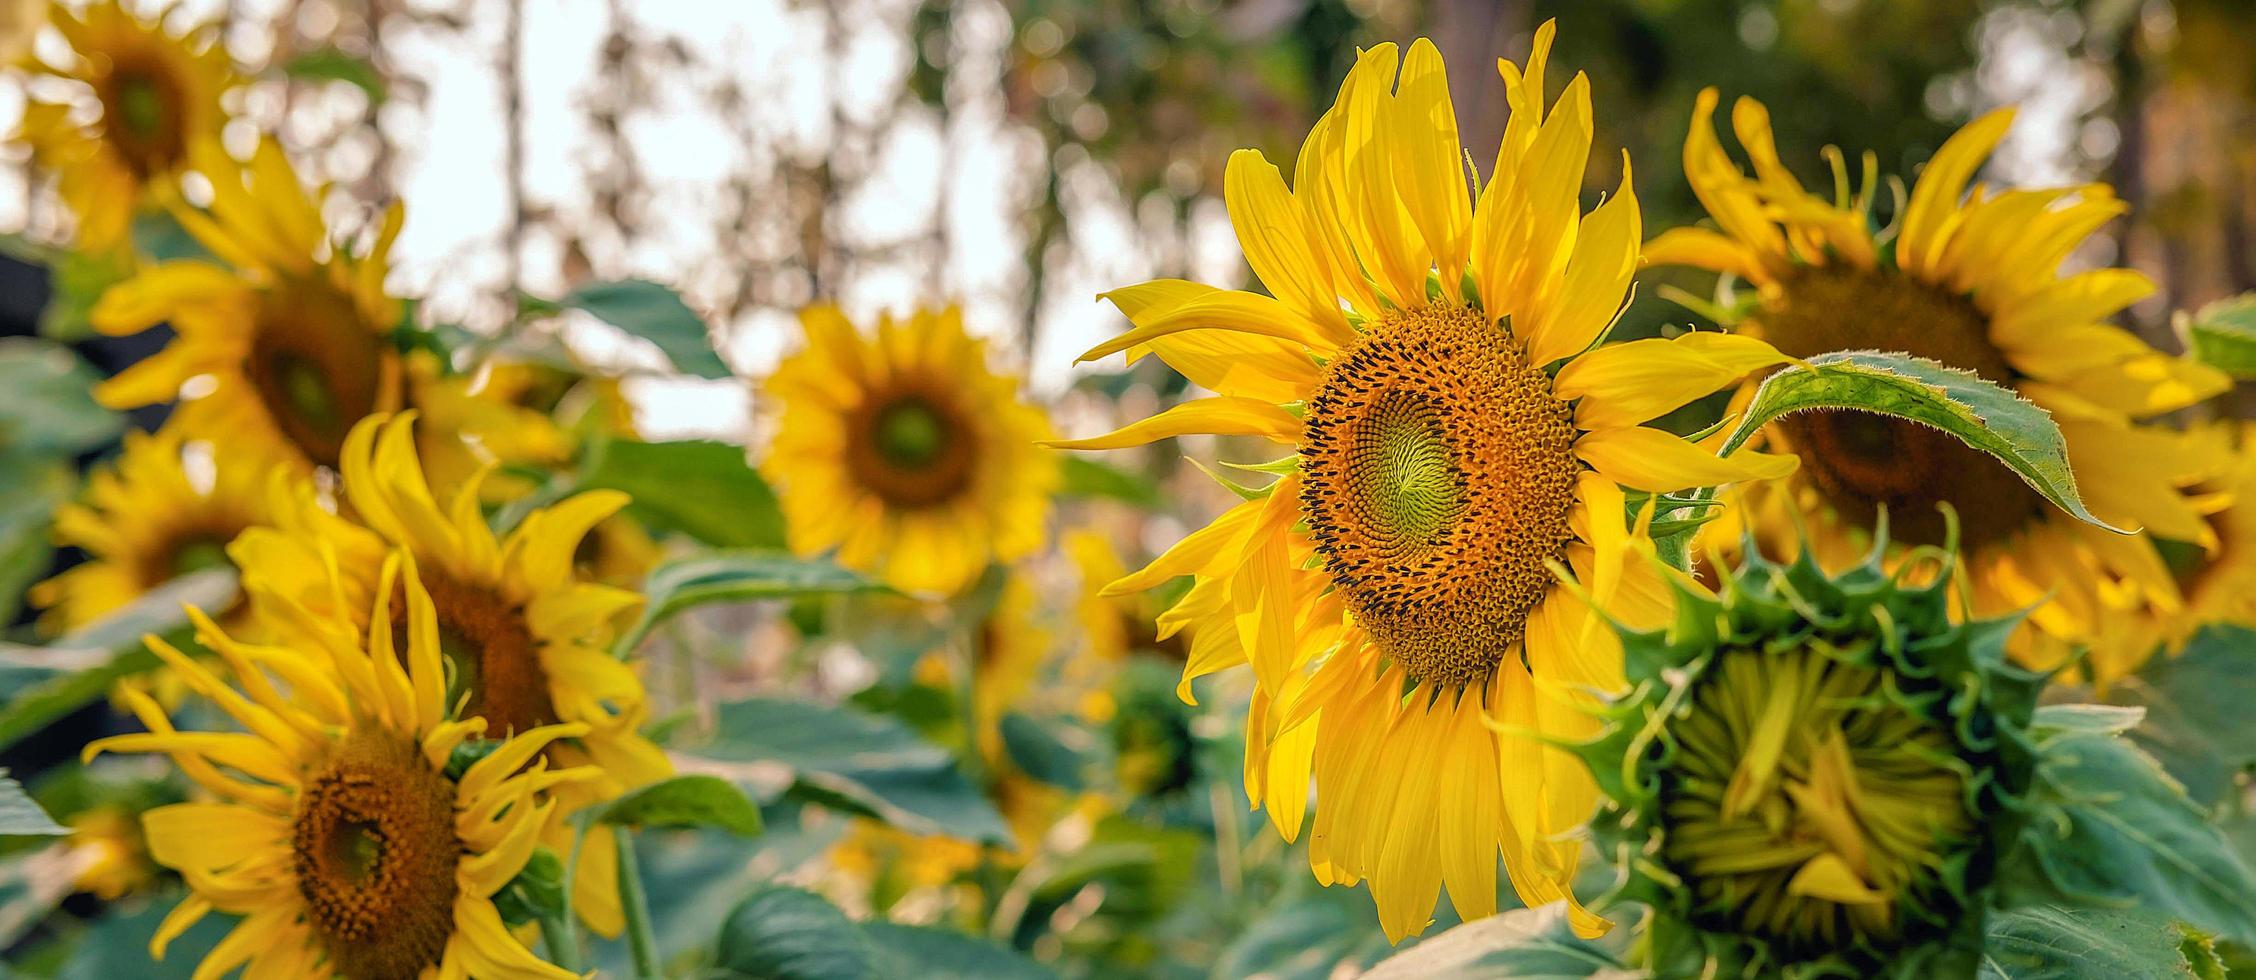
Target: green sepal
{"type": "Point", "coordinates": [1868, 616]}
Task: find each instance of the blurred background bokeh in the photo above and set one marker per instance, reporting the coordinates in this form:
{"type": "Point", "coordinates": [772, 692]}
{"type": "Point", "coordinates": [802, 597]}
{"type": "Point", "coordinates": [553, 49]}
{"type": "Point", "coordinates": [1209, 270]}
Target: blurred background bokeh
{"type": "Point", "coordinates": [1020, 157]}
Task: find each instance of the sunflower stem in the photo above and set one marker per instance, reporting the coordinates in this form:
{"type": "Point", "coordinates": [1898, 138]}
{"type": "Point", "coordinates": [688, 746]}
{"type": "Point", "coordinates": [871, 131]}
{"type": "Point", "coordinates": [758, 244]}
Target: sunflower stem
{"type": "Point", "coordinates": [561, 940]}
{"type": "Point", "coordinates": [640, 941]}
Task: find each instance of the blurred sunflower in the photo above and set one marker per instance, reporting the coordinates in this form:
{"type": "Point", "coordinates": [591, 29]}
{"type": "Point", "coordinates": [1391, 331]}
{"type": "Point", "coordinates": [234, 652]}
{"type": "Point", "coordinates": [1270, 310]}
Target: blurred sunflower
{"type": "Point", "coordinates": [292, 333]}
{"type": "Point", "coordinates": [906, 452]}
{"type": "Point", "coordinates": [526, 640]}
{"type": "Point", "coordinates": [1971, 280]}
{"type": "Point", "coordinates": [20, 21]}
{"type": "Point", "coordinates": [1394, 590]}
{"type": "Point", "coordinates": [109, 853]}
{"type": "Point", "coordinates": [477, 419]}
{"type": "Point", "coordinates": [337, 831]}
{"type": "Point", "coordinates": [147, 518]}
{"type": "Point", "coordinates": [159, 94]}
{"type": "Point", "coordinates": [2220, 584]}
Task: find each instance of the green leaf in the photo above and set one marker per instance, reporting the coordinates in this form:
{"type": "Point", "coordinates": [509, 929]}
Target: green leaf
{"type": "Point", "coordinates": [656, 314]}
{"type": "Point", "coordinates": [2108, 827]}
{"type": "Point", "coordinates": [1982, 415]}
{"type": "Point", "coordinates": [81, 667]}
{"type": "Point", "coordinates": [2223, 335]}
{"type": "Point", "coordinates": [49, 408]}
{"type": "Point", "coordinates": [1520, 943]}
{"type": "Point", "coordinates": [2197, 711]}
{"type": "Point", "coordinates": [2086, 719]}
{"type": "Point", "coordinates": [1085, 478]}
{"type": "Point", "coordinates": [31, 487]}
{"type": "Point", "coordinates": [683, 801]}
{"type": "Point", "coordinates": [783, 933]}
{"type": "Point", "coordinates": [1042, 750]}
{"type": "Point", "coordinates": [117, 944]}
{"type": "Point", "coordinates": [859, 763]}
{"type": "Point", "coordinates": [79, 280]}
{"type": "Point", "coordinates": [2053, 942]}
{"type": "Point", "coordinates": [938, 954]}
{"type": "Point", "coordinates": [703, 489]}
{"type": "Point", "coordinates": [1313, 938]}
{"type": "Point", "coordinates": [332, 65]}
{"type": "Point", "coordinates": [20, 816]}
{"type": "Point", "coordinates": [741, 576]}
{"type": "Point", "coordinates": [160, 236]}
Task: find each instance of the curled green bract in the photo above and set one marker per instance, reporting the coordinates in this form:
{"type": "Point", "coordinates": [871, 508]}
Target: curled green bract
{"type": "Point", "coordinates": [1817, 775]}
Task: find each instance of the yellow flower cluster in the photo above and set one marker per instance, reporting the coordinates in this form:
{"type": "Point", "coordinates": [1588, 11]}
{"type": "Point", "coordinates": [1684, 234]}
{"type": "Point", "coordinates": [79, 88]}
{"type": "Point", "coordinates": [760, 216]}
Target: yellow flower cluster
{"type": "Point", "coordinates": [1475, 494]}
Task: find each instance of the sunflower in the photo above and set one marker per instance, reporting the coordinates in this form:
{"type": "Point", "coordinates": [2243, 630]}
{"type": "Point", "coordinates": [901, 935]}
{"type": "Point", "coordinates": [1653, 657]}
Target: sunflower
{"type": "Point", "coordinates": [109, 854]}
{"type": "Point", "coordinates": [159, 93]}
{"type": "Point", "coordinates": [337, 829]}
{"type": "Point", "coordinates": [1971, 280]}
{"type": "Point", "coordinates": [477, 419]}
{"type": "Point", "coordinates": [2220, 584]}
{"type": "Point", "coordinates": [1394, 589]}
{"type": "Point", "coordinates": [288, 341]}
{"type": "Point", "coordinates": [1818, 775]}
{"type": "Point", "coordinates": [906, 452]}
{"type": "Point", "coordinates": [20, 21]}
{"type": "Point", "coordinates": [526, 638]}
{"type": "Point", "coordinates": [156, 513]}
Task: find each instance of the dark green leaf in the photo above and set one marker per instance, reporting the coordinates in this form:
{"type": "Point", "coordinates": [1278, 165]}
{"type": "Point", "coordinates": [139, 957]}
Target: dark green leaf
{"type": "Point", "coordinates": [2053, 942]}
{"type": "Point", "coordinates": [117, 944]}
{"type": "Point", "coordinates": [31, 487]}
{"type": "Point", "coordinates": [2197, 710]}
{"type": "Point", "coordinates": [79, 279]}
{"type": "Point", "coordinates": [703, 489]}
{"type": "Point", "coordinates": [782, 933]}
{"type": "Point", "coordinates": [860, 763]}
{"type": "Point", "coordinates": [683, 801]}
{"type": "Point", "coordinates": [159, 236]}
{"type": "Point", "coordinates": [1982, 415]}
{"type": "Point", "coordinates": [1042, 750]}
{"type": "Point", "coordinates": [2109, 827]}
{"type": "Point", "coordinates": [1521, 943]}
{"type": "Point", "coordinates": [332, 65]}
{"type": "Point", "coordinates": [82, 667]}
{"type": "Point", "coordinates": [50, 406]}
{"type": "Point", "coordinates": [1329, 933]}
{"type": "Point", "coordinates": [656, 314]}
{"type": "Point", "coordinates": [20, 817]}
{"type": "Point", "coordinates": [1082, 477]}
{"type": "Point", "coordinates": [2223, 335]}
{"type": "Point", "coordinates": [737, 577]}
{"type": "Point", "coordinates": [938, 954]}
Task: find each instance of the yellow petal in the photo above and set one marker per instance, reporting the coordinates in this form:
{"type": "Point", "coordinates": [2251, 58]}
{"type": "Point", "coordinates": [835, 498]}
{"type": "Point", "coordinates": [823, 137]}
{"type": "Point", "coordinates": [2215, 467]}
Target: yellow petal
{"type": "Point", "coordinates": [1648, 459]}
{"type": "Point", "coordinates": [1630, 383]}
{"type": "Point", "coordinates": [1218, 416]}
{"type": "Point", "coordinates": [1597, 283]}
{"type": "Point", "coordinates": [1275, 242]}
{"type": "Point", "coordinates": [1227, 311]}
{"type": "Point", "coordinates": [1935, 198]}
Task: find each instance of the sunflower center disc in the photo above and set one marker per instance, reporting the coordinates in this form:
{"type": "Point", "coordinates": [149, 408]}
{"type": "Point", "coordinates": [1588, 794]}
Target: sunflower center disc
{"type": "Point", "coordinates": [1438, 478]}
{"type": "Point", "coordinates": [142, 115]}
{"type": "Point", "coordinates": [912, 448]}
{"type": "Point", "coordinates": [1812, 798]}
{"type": "Point", "coordinates": [315, 366]}
{"type": "Point", "coordinates": [376, 854]}
{"type": "Point", "coordinates": [492, 653]}
{"type": "Point", "coordinates": [1862, 461]}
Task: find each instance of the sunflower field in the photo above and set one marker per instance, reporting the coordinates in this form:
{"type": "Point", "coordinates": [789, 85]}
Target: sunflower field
{"type": "Point", "coordinates": [1622, 488]}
